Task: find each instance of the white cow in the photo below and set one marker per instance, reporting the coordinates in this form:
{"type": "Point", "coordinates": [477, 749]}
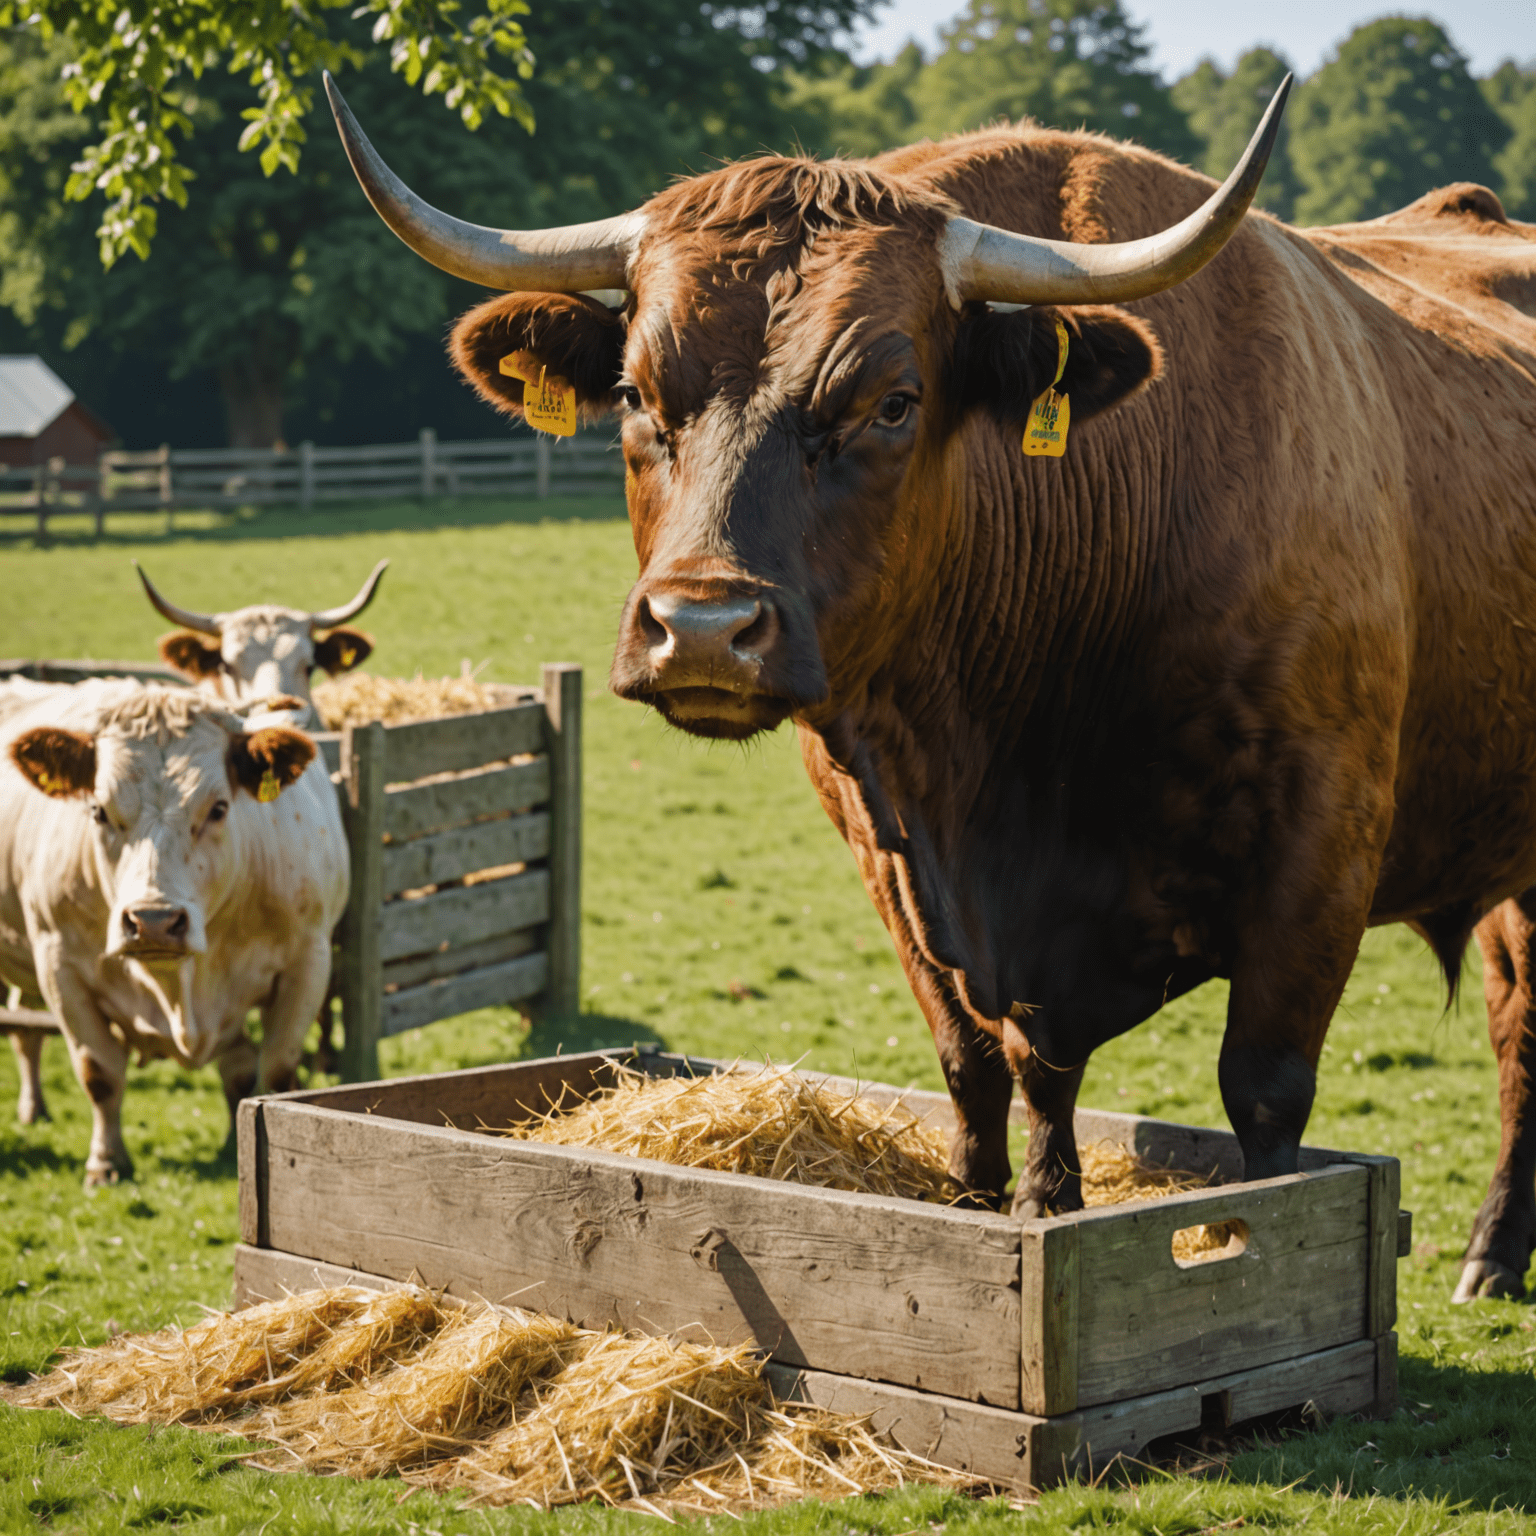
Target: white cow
{"type": "Point", "coordinates": [165, 866]}
{"type": "Point", "coordinates": [265, 650]}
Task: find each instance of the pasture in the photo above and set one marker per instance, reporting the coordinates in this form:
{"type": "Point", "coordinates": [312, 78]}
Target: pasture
{"type": "Point", "coordinates": [723, 916]}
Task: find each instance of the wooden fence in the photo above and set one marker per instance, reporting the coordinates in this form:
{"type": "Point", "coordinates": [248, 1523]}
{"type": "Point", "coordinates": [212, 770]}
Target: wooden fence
{"type": "Point", "coordinates": [523, 464]}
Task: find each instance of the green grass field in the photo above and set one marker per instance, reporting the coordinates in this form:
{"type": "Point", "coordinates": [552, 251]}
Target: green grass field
{"type": "Point", "coordinates": [705, 867]}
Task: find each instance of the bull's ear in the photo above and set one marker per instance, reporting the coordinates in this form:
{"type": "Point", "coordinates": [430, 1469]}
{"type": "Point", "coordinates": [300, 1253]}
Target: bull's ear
{"type": "Point", "coordinates": [60, 763]}
{"type": "Point", "coordinates": [190, 654]}
{"type": "Point", "coordinates": [1003, 361]}
{"type": "Point", "coordinates": [575, 338]}
{"type": "Point", "coordinates": [264, 763]}
{"type": "Point", "coordinates": [343, 649]}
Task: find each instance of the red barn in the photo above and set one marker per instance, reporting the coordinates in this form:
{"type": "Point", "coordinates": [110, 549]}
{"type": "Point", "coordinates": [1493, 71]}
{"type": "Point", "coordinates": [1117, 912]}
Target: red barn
{"type": "Point", "coordinates": [40, 418]}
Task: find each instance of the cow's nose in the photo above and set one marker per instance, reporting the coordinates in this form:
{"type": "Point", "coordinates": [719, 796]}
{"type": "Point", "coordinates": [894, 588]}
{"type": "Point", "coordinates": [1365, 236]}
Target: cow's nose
{"type": "Point", "coordinates": [714, 638]}
{"type": "Point", "coordinates": [156, 927]}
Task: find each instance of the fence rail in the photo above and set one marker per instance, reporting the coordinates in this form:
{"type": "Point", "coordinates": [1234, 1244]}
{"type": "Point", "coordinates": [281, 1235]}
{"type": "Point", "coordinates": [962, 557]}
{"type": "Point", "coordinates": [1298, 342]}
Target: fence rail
{"type": "Point", "coordinates": [523, 464]}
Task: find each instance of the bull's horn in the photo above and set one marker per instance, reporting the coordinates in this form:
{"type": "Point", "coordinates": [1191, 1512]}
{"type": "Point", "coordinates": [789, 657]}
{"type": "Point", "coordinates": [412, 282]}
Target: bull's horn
{"type": "Point", "coordinates": [981, 261]}
{"type": "Point", "coordinates": [566, 260]}
{"type": "Point", "coordinates": [203, 623]}
{"type": "Point", "coordinates": [328, 617]}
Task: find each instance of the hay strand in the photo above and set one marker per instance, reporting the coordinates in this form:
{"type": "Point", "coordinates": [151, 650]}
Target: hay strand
{"type": "Point", "coordinates": [356, 698]}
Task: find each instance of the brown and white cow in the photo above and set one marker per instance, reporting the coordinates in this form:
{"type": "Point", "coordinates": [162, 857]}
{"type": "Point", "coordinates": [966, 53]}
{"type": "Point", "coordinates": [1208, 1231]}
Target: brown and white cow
{"type": "Point", "coordinates": [1250, 667]}
{"type": "Point", "coordinates": [165, 866]}
{"type": "Point", "coordinates": [264, 651]}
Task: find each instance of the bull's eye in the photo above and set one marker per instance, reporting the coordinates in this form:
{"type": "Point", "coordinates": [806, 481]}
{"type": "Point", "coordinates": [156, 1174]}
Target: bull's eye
{"type": "Point", "coordinates": [99, 816]}
{"type": "Point", "coordinates": [894, 410]}
{"type": "Point", "coordinates": [219, 811]}
{"type": "Point", "coordinates": [629, 396]}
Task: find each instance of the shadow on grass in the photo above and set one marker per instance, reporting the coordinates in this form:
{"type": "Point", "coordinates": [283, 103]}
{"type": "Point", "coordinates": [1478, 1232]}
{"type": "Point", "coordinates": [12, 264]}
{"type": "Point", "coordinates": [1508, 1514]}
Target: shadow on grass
{"type": "Point", "coordinates": [1461, 1436]}
{"type": "Point", "coordinates": [21, 1157]}
{"type": "Point", "coordinates": [132, 528]}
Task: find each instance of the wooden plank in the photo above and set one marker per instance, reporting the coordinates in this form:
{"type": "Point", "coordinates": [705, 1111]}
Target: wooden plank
{"type": "Point", "coordinates": [415, 810]}
{"type": "Point", "coordinates": [360, 978]}
{"type": "Point", "coordinates": [1384, 1192]}
{"type": "Point", "coordinates": [1049, 1278]}
{"type": "Point", "coordinates": [416, 749]}
{"type": "Point", "coordinates": [865, 1286]}
{"type": "Point", "coordinates": [328, 743]}
{"type": "Point", "coordinates": [461, 851]}
{"type": "Point", "coordinates": [1299, 1287]}
{"type": "Point", "coordinates": [474, 1096]}
{"type": "Point", "coordinates": [1385, 1402]}
{"type": "Point", "coordinates": [992, 1444]}
{"type": "Point", "coordinates": [463, 914]}
{"type": "Point", "coordinates": [251, 1151]}
{"type": "Point", "coordinates": [487, 987]}
{"type": "Point", "coordinates": [450, 962]}
{"type": "Point", "coordinates": [1404, 1232]}
{"type": "Point", "coordinates": [562, 703]}
{"type": "Point", "coordinates": [265, 1274]}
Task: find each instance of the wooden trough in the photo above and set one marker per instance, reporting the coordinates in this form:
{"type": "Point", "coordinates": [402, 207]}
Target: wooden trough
{"type": "Point", "coordinates": [1019, 1351]}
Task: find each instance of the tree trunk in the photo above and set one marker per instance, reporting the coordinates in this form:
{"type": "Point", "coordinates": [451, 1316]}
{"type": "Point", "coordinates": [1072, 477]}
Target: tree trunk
{"type": "Point", "coordinates": [253, 398]}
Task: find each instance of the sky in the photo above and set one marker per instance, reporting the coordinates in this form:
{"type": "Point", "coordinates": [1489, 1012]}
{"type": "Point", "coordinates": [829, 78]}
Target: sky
{"type": "Point", "coordinates": [1182, 32]}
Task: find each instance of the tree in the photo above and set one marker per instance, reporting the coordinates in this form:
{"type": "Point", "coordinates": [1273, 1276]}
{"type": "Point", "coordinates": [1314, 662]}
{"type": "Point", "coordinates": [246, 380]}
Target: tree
{"type": "Point", "coordinates": [282, 288]}
{"type": "Point", "coordinates": [135, 68]}
{"type": "Point", "coordinates": [1511, 92]}
{"type": "Point", "coordinates": [1393, 113]}
{"type": "Point", "coordinates": [857, 110]}
{"type": "Point", "coordinates": [1223, 110]}
{"type": "Point", "coordinates": [1067, 63]}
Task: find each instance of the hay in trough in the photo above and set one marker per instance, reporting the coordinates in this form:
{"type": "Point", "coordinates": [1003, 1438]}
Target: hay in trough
{"type": "Point", "coordinates": [507, 1405]}
{"type": "Point", "coordinates": [1111, 1176]}
{"type": "Point", "coordinates": [769, 1122]}
{"type": "Point", "coordinates": [356, 698]}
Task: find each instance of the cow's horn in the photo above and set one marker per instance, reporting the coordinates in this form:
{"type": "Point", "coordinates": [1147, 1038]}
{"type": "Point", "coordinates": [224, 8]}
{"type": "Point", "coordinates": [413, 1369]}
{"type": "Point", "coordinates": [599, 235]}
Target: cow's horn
{"type": "Point", "coordinates": [328, 617]}
{"type": "Point", "coordinates": [567, 260]}
{"type": "Point", "coordinates": [204, 623]}
{"type": "Point", "coordinates": [983, 262]}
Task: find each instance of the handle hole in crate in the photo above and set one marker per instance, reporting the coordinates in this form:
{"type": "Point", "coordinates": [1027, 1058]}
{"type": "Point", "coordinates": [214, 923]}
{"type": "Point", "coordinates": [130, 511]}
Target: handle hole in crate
{"type": "Point", "coordinates": [1209, 1243]}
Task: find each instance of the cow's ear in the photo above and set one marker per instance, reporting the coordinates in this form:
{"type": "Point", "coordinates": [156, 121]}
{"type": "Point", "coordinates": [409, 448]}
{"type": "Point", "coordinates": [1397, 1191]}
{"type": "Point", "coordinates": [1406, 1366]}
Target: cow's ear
{"type": "Point", "coordinates": [575, 338]}
{"type": "Point", "coordinates": [343, 649]}
{"type": "Point", "coordinates": [1003, 361]}
{"type": "Point", "coordinates": [190, 654]}
{"type": "Point", "coordinates": [264, 763]}
{"type": "Point", "coordinates": [60, 763]}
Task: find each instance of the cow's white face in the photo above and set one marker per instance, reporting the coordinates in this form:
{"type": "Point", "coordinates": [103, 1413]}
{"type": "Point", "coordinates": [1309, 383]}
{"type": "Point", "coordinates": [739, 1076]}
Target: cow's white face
{"type": "Point", "coordinates": [162, 788]}
{"type": "Point", "coordinates": [267, 651]}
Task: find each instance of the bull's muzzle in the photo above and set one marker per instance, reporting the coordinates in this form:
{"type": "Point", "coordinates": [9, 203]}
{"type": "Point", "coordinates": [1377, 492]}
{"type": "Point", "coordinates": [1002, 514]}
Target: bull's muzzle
{"type": "Point", "coordinates": [155, 932]}
{"type": "Point", "coordinates": [714, 663]}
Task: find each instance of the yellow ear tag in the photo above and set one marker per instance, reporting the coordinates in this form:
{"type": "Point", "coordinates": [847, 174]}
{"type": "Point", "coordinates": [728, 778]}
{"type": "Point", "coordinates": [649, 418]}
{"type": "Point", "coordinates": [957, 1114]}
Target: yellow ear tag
{"type": "Point", "coordinates": [549, 403]}
{"type": "Point", "coordinates": [269, 789]}
{"type": "Point", "coordinates": [348, 655]}
{"type": "Point", "coordinates": [1045, 434]}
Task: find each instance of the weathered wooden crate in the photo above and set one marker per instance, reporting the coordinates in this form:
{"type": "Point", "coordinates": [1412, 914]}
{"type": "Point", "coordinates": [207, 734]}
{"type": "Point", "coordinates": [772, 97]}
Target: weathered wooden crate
{"type": "Point", "coordinates": [1019, 1351]}
{"type": "Point", "coordinates": [465, 840]}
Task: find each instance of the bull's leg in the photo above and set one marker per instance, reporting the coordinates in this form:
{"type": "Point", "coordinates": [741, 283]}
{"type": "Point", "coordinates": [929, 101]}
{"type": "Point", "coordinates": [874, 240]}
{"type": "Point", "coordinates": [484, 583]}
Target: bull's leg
{"type": "Point", "coordinates": [99, 1058]}
{"type": "Point", "coordinates": [1504, 1232]}
{"type": "Point", "coordinates": [287, 1015]}
{"type": "Point", "coordinates": [237, 1072]}
{"type": "Point", "coordinates": [28, 1046]}
{"type": "Point", "coordinates": [1051, 1179]}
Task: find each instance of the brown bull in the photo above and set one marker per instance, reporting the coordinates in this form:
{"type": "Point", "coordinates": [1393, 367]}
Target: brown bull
{"type": "Point", "coordinates": [1250, 668]}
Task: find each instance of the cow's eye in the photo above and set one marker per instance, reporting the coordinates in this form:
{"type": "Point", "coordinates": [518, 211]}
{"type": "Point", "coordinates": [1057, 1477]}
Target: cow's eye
{"type": "Point", "coordinates": [100, 817]}
{"type": "Point", "coordinates": [629, 396]}
{"type": "Point", "coordinates": [219, 812]}
{"type": "Point", "coordinates": [894, 409]}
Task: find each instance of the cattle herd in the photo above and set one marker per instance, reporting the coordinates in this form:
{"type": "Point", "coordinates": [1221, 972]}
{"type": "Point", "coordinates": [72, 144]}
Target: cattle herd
{"type": "Point", "coordinates": [1249, 667]}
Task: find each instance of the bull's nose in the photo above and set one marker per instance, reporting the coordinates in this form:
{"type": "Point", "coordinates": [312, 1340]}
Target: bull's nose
{"type": "Point", "coordinates": [706, 636]}
{"type": "Point", "coordinates": [156, 928]}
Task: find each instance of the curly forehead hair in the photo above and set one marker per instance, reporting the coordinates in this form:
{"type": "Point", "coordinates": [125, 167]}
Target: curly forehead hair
{"type": "Point", "coordinates": [776, 204]}
{"type": "Point", "coordinates": [163, 713]}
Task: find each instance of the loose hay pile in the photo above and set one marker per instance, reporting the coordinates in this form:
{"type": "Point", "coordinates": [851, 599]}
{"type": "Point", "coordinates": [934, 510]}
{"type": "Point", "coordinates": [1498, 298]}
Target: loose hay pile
{"type": "Point", "coordinates": [356, 698]}
{"type": "Point", "coordinates": [510, 1406]}
{"type": "Point", "coordinates": [770, 1122]}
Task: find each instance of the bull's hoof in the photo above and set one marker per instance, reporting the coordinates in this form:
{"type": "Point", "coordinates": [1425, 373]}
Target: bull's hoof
{"type": "Point", "coordinates": [1487, 1277]}
{"type": "Point", "coordinates": [1032, 1204]}
{"type": "Point", "coordinates": [99, 1175]}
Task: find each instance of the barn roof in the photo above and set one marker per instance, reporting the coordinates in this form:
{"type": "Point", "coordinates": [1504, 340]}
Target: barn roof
{"type": "Point", "coordinates": [32, 396]}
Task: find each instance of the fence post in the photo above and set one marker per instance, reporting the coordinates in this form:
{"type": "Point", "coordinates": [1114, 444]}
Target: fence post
{"type": "Point", "coordinates": [428, 462]}
{"type": "Point", "coordinates": [165, 487]}
{"type": "Point", "coordinates": [306, 474]}
{"type": "Point", "coordinates": [360, 984]}
{"type": "Point", "coordinates": [541, 466]}
{"type": "Point", "coordinates": [562, 708]}
{"type": "Point", "coordinates": [40, 500]}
